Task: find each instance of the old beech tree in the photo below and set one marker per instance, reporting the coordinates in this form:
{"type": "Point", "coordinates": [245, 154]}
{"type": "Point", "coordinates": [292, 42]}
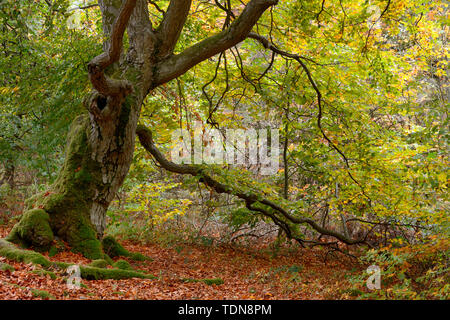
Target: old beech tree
{"type": "Point", "coordinates": [100, 143]}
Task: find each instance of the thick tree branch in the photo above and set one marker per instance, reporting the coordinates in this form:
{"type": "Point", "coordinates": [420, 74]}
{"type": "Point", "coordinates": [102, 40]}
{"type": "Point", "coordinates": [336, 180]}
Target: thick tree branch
{"type": "Point", "coordinates": [170, 28]}
{"type": "Point", "coordinates": [253, 201]}
{"type": "Point", "coordinates": [178, 64]}
{"type": "Point", "coordinates": [97, 66]}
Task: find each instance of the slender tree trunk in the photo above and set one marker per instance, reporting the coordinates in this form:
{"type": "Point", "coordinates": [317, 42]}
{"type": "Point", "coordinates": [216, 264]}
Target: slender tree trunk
{"type": "Point", "coordinates": [8, 174]}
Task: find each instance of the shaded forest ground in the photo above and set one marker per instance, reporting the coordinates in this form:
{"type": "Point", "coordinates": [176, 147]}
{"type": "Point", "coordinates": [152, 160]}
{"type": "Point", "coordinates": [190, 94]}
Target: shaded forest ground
{"type": "Point", "coordinates": [247, 273]}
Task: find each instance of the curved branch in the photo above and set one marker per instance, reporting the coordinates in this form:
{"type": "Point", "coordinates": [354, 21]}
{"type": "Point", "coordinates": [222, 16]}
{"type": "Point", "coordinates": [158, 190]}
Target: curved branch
{"type": "Point", "coordinates": [177, 65]}
{"type": "Point", "coordinates": [97, 66]}
{"type": "Point", "coordinates": [146, 139]}
{"type": "Point", "coordinates": [268, 45]}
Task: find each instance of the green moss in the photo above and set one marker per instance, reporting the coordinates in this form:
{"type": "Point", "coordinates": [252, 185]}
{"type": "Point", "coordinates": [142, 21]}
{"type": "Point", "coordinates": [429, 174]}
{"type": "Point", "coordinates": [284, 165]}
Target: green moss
{"type": "Point", "coordinates": [6, 267]}
{"type": "Point", "coordinates": [122, 264]}
{"type": "Point", "coordinates": [36, 292]}
{"type": "Point", "coordinates": [70, 196]}
{"type": "Point", "coordinates": [92, 273]}
{"type": "Point", "coordinates": [99, 263]}
{"type": "Point", "coordinates": [114, 249]}
{"type": "Point", "coordinates": [45, 273]}
{"type": "Point", "coordinates": [30, 202]}
{"type": "Point", "coordinates": [216, 281]}
{"type": "Point", "coordinates": [64, 208]}
{"type": "Point", "coordinates": [83, 176]}
{"type": "Point", "coordinates": [108, 259]}
{"type": "Point", "coordinates": [137, 256]}
{"type": "Point", "coordinates": [85, 242]}
{"type": "Point", "coordinates": [42, 294]}
{"type": "Point", "coordinates": [33, 229]}
{"type": "Point", "coordinates": [8, 250]}
{"type": "Point", "coordinates": [53, 251]}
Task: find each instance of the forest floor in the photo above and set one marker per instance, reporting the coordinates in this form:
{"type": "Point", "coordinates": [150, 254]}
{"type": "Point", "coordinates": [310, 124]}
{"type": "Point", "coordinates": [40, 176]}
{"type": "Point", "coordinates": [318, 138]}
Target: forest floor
{"type": "Point", "coordinates": [247, 273]}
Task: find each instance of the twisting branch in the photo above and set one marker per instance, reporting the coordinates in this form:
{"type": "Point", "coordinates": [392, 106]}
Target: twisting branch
{"type": "Point", "coordinates": [253, 201]}
{"type": "Point", "coordinates": [153, 3]}
{"type": "Point", "coordinates": [97, 66]}
{"type": "Point", "coordinates": [268, 45]}
{"type": "Point", "coordinates": [210, 98]}
{"type": "Point", "coordinates": [320, 12]}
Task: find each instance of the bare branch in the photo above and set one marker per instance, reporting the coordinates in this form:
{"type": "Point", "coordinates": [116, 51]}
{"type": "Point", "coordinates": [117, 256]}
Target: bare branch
{"type": "Point", "coordinates": [373, 25]}
{"type": "Point", "coordinates": [268, 45]}
{"type": "Point", "coordinates": [320, 12]}
{"type": "Point", "coordinates": [84, 7]}
{"type": "Point", "coordinates": [154, 4]}
{"type": "Point", "coordinates": [178, 64]}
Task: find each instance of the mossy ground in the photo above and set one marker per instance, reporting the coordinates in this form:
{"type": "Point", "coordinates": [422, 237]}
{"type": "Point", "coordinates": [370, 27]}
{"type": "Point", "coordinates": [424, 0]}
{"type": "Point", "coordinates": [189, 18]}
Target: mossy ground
{"type": "Point", "coordinates": [122, 264]}
{"type": "Point", "coordinates": [38, 293]}
{"type": "Point", "coordinates": [42, 272]}
{"type": "Point", "coordinates": [6, 267]}
{"type": "Point", "coordinates": [42, 294]}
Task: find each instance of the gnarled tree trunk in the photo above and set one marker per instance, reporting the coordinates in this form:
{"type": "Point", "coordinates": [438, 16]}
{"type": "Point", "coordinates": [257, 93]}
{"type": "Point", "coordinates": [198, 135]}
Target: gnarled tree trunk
{"type": "Point", "coordinates": [100, 143]}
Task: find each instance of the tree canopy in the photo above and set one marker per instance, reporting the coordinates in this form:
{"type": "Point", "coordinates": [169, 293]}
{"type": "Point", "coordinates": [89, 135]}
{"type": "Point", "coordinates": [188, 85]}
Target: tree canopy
{"type": "Point", "coordinates": [357, 89]}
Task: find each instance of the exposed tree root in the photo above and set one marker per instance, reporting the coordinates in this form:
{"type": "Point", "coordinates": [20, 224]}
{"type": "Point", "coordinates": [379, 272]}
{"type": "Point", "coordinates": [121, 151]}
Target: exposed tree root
{"type": "Point", "coordinates": [114, 249]}
{"type": "Point", "coordinates": [12, 252]}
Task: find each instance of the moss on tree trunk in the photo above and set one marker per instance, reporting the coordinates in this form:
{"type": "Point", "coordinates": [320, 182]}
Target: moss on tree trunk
{"type": "Point", "coordinates": [64, 209]}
